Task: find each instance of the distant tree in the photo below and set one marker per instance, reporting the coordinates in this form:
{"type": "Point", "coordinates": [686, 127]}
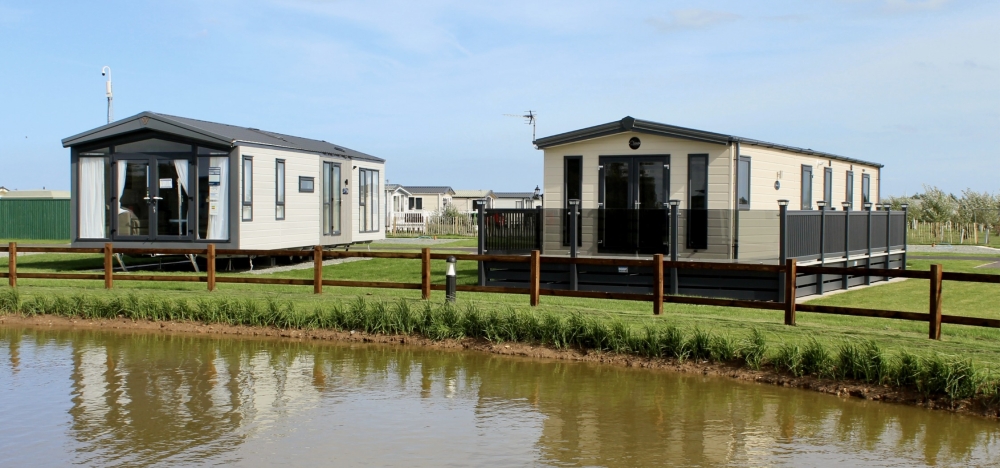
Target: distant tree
{"type": "Point", "coordinates": [937, 206]}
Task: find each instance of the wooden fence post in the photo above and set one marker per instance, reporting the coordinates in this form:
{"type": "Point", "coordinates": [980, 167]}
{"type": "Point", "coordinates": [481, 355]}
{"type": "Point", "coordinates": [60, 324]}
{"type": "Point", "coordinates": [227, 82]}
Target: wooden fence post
{"type": "Point", "coordinates": [210, 261]}
{"type": "Point", "coordinates": [536, 273]}
{"type": "Point", "coordinates": [790, 281]}
{"type": "Point", "coordinates": [935, 309]}
{"type": "Point", "coordinates": [657, 284]}
{"type": "Point", "coordinates": [425, 273]}
{"type": "Point", "coordinates": [318, 269]}
{"type": "Point", "coordinates": [109, 266]}
{"type": "Point", "coordinates": [12, 264]}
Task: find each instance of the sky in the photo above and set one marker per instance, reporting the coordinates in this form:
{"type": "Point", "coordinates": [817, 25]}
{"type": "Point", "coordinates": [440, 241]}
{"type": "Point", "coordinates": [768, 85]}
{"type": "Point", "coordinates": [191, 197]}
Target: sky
{"type": "Point", "coordinates": [912, 84]}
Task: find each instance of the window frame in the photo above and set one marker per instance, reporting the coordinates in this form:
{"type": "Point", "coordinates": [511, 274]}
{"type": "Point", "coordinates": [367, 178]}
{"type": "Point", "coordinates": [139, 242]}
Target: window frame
{"type": "Point", "coordinates": [691, 242]}
{"type": "Point", "coordinates": [578, 159]}
{"type": "Point", "coordinates": [866, 188]}
{"type": "Point", "coordinates": [279, 188]}
{"type": "Point", "coordinates": [416, 203]}
{"type": "Point", "coordinates": [739, 173]}
{"type": "Point", "coordinates": [828, 187]}
{"type": "Point", "coordinates": [803, 193]}
{"type": "Point", "coordinates": [243, 186]}
{"type": "Point", "coordinates": [849, 192]}
{"type": "Point", "coordinates": [368, 210]}
{"type": "Point", "coordinates": [312, 184]}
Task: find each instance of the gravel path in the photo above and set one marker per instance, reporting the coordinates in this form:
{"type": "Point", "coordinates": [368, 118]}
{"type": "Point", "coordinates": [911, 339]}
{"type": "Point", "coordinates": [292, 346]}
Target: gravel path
{"type": "Point", "coordinates": [413, 240]}
{"type": "Point", "coordinates": [962, 249]}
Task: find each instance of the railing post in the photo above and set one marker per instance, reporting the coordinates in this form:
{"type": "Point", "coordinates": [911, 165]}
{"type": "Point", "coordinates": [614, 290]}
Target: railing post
{"type": "Point", "coordinates": [888, 235]}
{"type": "Point", "coordinates": [822, 247]}
{"type": "Point", "coordinates": [318, 269]}
{"type": "Point", "coordinates": [109, 273]}
{"type": "Point", "coordinates": [574, 210]}
{"type": "Point", "coordinates": [935, 309]}
{"type": "Point", "coordinates": [674, 209]}
{"type": "Point", "coordinates": [847, 242]}
{"type": "Point", "coordinates": [425, 273]}
{"type": "Point", "coordinates": [535, 277]}
{"type": "Point", "coordinates": [540, 229]}
{"type": "Point", "coordinates": [481, 222]}
{"type": "Point", "coordinates": [210, 266]}
{"type": "Point", "coordinates": [657, 284]}
{"type": "Point", "coordinates": [12, 264]}
{"type": "Point", "coordinates": [868, 261]}
{"type": "Point", "coordinates": [790, 293]}
{"type": "Point", "coordinates": [782, 243]}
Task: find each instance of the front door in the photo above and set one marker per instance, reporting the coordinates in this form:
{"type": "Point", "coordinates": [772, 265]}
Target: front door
{"type": "Point", "coordinates": [632, 200]}
{"type": "Point", "coordinates": [153, 198]}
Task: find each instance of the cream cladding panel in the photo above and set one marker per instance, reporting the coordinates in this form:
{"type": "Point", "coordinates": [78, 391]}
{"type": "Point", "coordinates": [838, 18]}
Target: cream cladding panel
{"type": "Point", "coordinates": [299, 228]}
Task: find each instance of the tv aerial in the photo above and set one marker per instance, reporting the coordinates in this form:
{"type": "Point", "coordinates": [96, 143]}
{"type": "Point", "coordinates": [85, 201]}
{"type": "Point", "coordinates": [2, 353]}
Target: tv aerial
{"type": "Point", "coordinates": [530, 118]}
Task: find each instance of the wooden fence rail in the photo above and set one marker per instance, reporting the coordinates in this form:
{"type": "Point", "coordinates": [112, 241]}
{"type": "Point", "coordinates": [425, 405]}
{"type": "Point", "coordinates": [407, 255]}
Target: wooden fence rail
{"type": "Point", "coordinates": [936, 276]}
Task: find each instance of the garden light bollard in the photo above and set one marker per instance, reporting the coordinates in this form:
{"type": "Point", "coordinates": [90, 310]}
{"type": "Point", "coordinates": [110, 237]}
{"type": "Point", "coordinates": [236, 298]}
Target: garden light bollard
{"type": "Point", "coordinates": [674, 209]}
{"type": "Point", "coordinates": [574, 211]}
{"type": "Point", "coordinates": [450, 280]}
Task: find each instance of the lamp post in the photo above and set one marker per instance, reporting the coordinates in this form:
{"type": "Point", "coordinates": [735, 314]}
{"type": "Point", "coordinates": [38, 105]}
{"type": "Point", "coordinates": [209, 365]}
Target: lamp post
{"type": "Point", "coordinates": [868, 261]}
{"type": "Point", "coordinates": [822, 244]}
{"type": "Point", "coordinates": [847, 240]}
{"type": "Point", "coordinates": [906, 230]}
{"type": "Point", "coordinates": [106, 71]}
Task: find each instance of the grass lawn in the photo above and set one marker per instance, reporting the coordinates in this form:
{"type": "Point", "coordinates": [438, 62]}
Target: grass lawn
{"type": "Point", "coordinates": [4, 242]}
{"type": "Point", "coordinates": [980, 344]}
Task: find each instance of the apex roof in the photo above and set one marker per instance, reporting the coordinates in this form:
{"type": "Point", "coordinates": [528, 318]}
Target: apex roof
{"type": "Point", "coordinates": [211, 132]}
{"type": "Point", "coordinates": [440, 190]}
{"type": "Point", "coordinates": [631, 124]}
{"type": "Point", "coordinates": [474, 193]}
{"type": "Point", "coordinates": [515, 194]}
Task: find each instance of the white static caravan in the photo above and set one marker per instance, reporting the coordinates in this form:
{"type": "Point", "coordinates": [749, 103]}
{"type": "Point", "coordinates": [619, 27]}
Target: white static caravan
{"type": "Point", "coordinates": [160, 181]}
{"type": "Point", "coordinates": [625, 173]}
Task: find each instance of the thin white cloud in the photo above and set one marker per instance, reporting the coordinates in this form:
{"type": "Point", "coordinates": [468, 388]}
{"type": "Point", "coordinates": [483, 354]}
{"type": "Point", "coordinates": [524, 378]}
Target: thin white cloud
{"type": "Point", "coordinates": [690, 19]}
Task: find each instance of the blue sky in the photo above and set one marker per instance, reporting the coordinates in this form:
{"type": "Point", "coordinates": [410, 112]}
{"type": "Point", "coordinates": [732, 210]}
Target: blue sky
{"type": "Point", "coordinates": [914, 84]}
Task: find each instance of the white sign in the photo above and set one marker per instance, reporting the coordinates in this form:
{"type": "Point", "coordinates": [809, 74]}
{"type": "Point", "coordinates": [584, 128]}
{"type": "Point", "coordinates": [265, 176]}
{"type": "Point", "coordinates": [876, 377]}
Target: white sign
{"type": "Point", "coordinates": [623, 269]}
{"type": "Point", "coordinates": [213, 192]}
{"type": "Point", "coordinates": [214, 176]}
{"type": "Point", "coordinates": [213, 208]}
{"type": "Point", "coordinates": [166, 183]}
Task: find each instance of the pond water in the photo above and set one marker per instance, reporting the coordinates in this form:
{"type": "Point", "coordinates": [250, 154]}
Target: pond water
{"type": "Point", "coordinates": [100, 398]}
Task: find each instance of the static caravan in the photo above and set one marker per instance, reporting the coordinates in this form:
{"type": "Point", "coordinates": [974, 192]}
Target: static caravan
{"type": "Point", "coordinates": [155, 180]}
{"type": "Point", "coordinates": [463, 200]}
{"type": "Point", "coordinates": [518, 199]}
{"type": "Point", "coordinates": [727, 189]}
{"type": "Point", "coordinates": [429, 199]}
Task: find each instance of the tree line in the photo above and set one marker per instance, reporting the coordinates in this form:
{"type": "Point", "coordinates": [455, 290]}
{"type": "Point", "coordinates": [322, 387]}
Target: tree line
{"type": "Point", "coordinates": [934, 205]}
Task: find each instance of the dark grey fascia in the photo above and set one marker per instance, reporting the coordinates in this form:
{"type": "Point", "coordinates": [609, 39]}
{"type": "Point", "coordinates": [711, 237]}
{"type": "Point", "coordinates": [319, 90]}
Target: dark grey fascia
{"type": "Point", "coordinates": [630, 124]}
{"type": "Point", "coordinates": [153, 122]}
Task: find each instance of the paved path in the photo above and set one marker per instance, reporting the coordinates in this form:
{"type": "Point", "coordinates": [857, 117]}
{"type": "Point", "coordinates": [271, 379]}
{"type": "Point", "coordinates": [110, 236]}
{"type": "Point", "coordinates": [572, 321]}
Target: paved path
{"type": "Point", "coordinates": [960, 249]}
{"type": "Point", "coordinates": [303, 266]}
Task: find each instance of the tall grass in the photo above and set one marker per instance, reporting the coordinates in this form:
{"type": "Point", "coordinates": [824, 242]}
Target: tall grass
{"type": "Point", "coordinates": [934, 375]}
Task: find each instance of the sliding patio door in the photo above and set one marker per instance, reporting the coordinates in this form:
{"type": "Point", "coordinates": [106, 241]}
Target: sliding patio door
{"type": "Point", "coordinates": [633, 209]}
{"type": "Point", "coordinates": [153, 198]}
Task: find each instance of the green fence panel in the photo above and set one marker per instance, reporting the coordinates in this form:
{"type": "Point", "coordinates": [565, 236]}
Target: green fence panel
{"type": "Point", "coordinates": [34, 219]}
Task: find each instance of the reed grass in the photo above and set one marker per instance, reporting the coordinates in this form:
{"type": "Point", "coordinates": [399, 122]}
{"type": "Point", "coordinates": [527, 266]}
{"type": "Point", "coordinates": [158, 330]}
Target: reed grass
{"type": "Point", "coordinates": [934, 375]}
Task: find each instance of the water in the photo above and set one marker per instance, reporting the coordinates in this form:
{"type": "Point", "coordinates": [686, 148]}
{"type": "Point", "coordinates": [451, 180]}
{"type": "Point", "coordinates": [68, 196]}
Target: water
{"type": "Point", "coordinates": [100, 398]}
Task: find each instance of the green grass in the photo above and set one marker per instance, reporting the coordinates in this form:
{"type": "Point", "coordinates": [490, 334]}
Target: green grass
{"type": "Point", "coordinates": [934, 374]}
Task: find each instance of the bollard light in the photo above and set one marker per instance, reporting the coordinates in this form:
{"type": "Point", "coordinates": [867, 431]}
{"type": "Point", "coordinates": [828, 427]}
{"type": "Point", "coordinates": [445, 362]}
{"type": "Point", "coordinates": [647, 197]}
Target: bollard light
{"type": "Point", "coordinates": [821, 204]}
{"type": "Point", "coordinates": [782, 202]}
{"type": "Point", "coordinates": [675, 202]}
{"type": "Point", "coordinates": [846, 205]}
{"type": "Point", "coordinates": [868, 206]}
{"type": "Point", "coordinates": [450, 280]}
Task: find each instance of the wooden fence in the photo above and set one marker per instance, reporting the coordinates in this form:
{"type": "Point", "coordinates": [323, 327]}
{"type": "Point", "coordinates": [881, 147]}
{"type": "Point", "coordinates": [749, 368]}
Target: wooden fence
{"type": "Point", "coordinates": [657, 264]}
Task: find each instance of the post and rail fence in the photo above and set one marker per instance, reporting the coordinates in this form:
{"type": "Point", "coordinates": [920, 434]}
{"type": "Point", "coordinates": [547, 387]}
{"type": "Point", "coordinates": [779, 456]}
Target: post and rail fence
{"type": "Point", "coordinates": [657, 265]}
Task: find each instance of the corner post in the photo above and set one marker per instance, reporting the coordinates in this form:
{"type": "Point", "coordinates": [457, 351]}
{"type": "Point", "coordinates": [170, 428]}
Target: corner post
{"type": "Point", "coordinates": [782, 243]}
{"type": "Point", "coordinates": [540, 229]}
{"type": "Point", "coordinates": [425, 273]}
{"type": "Point", "coordinates": [790, 281]}
{"type": "Point", "coordinates": [906, 231]}
{"type": "Point", "coordinates": [481, 245]}
{"type": "Point", "coordinates": [210, 266]}
{"type": "Point", "coordinates": [888, 237]}
{"type": "Point", "coordinates": [574, 211]}
{"type": "Point", "coordinates": [318, 269]}
{"type": "Point", "coordinates": [534, 285]}
{"type": "Point", "coordinates": [657, 284]}
{"type": "Point", "coordinates": [674, 210]}
{"type": "Point", "coordinates": [109, 272]}
{"type": "Point", "coordinates": [12, 264]}
{"type": "Point", "coordinates": [935, 305]}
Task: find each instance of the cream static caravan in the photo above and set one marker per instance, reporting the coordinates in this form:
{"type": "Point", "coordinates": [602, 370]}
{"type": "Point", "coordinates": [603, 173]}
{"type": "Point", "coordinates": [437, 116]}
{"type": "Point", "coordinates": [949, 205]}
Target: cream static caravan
{"type": "Point", "coordinates": [155, 180]}
{"type": "Point", "coordinates": [626, 172]}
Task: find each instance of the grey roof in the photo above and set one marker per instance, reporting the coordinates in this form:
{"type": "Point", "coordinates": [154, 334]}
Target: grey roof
{"type": "Point", "coordinates": [630, 124]}
{"type": "Point", "coordinates": [211, 132]}
{"type": "Point", "coordinates": [514, 194]}
{"type": "Point", "coordinates": [394, 187]}
{"type": "Point", "coordinates": [473, 193]}
{"type": "Point", "coordinates": [443, 189]}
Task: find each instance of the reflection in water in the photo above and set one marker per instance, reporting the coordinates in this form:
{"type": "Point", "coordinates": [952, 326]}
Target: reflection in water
{"type": "Point", "coordinates": [100, 398]}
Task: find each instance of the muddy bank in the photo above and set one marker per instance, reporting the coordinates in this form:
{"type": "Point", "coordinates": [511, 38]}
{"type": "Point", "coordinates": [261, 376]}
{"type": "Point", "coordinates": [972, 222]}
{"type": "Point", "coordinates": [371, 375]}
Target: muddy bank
{"type": "Point", "coordinates": [841, 388]}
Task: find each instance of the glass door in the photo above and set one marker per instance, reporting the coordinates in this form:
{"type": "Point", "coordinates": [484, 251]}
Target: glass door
{"type": "Point", "coordinates": [332, 198]}
{"type": "Point", "coordinates": [632, 201]}
{"type": "Point", "coordinates": [154, 198]}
